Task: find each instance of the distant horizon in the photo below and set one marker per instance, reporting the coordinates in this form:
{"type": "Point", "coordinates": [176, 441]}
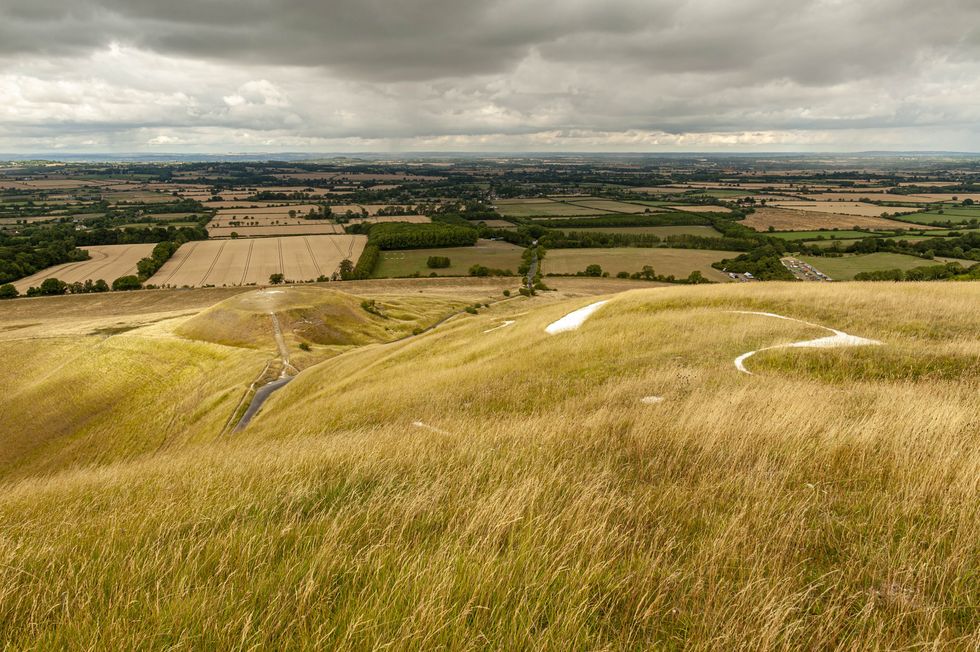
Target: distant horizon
{"type": "Point", "coordinates": [299, 156]}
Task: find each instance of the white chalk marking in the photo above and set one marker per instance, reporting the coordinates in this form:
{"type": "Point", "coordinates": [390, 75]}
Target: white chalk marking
{"type": "Point", "coordinates": [838, 339]}
{"type": "Point", "coordinates": [425, 426]}
{"type": "Point", "coordinates": [506, 323]}
{"type": "Point", "coordinates": [573, 320]}
{"type": "Point", "coordinates": [652, 400]}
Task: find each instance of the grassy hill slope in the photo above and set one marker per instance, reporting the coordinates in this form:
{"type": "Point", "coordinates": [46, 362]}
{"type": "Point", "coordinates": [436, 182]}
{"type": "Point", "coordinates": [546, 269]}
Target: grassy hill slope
{"type": "Point", "coordinates": [510, 489]}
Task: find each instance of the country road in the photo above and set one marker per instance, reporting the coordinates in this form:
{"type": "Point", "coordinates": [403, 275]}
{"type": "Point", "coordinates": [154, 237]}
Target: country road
{"type": "Point", "coordinates": [281, 343]}
{"type": "Point", "coordinates": [532, 270]}
{"type": "Point", "coordinates": [264, 392]}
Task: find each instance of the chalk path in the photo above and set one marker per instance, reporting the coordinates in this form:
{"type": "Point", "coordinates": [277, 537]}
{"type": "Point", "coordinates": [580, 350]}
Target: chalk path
{"type": "Point", "coordinates": [507, 322]}
{"type": "Point", "coordinates": [838, 339]}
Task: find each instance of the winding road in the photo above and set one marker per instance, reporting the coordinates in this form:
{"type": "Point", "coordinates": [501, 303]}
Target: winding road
{"type": "Point", "coordinates": [263, 393]}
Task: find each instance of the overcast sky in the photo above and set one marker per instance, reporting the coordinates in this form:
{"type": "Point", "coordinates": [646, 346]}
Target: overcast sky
{"type": "Point", "coordinates": [488, 75]}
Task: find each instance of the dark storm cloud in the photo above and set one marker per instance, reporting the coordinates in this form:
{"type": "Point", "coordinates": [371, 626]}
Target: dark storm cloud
{"type": "Point", "coordinates": [813, 41]}
{"type": "Point", "coordinates": [282, 71]}
{"type": "Point", "coordinates": [374, 39]}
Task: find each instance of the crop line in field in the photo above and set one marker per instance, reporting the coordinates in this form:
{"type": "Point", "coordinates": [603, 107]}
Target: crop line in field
{"type": "Point", "coordinates": [248, 260]}
{"type": "Point", "coordinates": [309, 248]}
{"type": "Point", "coordinates": [213, 262]}
{"type": "Point", "coordinates": [190, 251]}
{"type": "Point", "coordinates": [105, 263]}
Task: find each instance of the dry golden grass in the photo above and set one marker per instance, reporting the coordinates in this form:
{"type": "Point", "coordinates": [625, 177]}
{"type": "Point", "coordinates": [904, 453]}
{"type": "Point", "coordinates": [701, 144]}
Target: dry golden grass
{"type": "Point", "coordinates": [508, 490]}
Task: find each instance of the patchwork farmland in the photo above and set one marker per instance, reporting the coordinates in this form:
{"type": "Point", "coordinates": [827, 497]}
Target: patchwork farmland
{"type": "Point", "coordinates": [245, 262]}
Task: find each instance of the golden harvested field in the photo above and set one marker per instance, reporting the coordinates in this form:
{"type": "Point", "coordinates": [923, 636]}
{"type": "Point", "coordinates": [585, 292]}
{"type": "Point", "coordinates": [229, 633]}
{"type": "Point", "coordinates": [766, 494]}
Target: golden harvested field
{"type": "Point", "coordinates": [243, 262]}
{"type": "Point", "coordinates": [842, 208]}
{"type": "Point", "coordinates": [871, 196]}
{"type": "Point", "coordinates": [678, 262]}
{"type": "Point", "coordinates": [261, 217]}
{"type": "Point", "coordinates": [294, 227]}
{"type": "Point", "coordinates": [108, 262]}
{"type": "Point", "coordinates": [379, 219]}
{"type": "Point", "coordinates": [798, 220]}
{"type": "Point", "coordinates": [700, 209]}
{"type": "Point", "coordinates": [372, 209]}
{"type": "Point", "coordinates": [266, 212]}
{"type": "Point", "coordinates": [241, 203]}
{"type": "Point", "coordinates": [960, 196]}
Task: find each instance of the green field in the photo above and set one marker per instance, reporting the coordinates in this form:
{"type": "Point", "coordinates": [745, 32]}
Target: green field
{"type": "Point", "coordinates": [661, 231]}
{"type": "Point", "coordinates": [956, 215]}
{"type": "Point", "coordinates": [610, 205]}
{"type": "Point", "coordinates": [679, 262]}
{"type": "Point", "coordinates": [941, 232]}
{"type": "Point", "coordinates": [846, 267]}
{"type": "Point", "coordinates": [496, 255]}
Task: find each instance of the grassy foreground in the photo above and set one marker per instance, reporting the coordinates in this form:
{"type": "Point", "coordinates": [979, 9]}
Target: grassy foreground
{"type": "Point", "coordinates": [509, 490]}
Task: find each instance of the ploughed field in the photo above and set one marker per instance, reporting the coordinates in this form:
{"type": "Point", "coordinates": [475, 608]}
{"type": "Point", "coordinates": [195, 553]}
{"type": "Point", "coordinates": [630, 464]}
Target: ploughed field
{"type": "Point", "coordinates": [243, 262]}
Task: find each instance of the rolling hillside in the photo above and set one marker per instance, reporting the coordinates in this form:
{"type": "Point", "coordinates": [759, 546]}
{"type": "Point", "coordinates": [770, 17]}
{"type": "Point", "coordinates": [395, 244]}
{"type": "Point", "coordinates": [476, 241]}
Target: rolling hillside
{"type": "Point", "coordinates": [486, 484]}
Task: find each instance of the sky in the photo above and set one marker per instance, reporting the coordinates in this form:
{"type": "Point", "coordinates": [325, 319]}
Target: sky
{"type": "Point", "coordinates": [234, 76]}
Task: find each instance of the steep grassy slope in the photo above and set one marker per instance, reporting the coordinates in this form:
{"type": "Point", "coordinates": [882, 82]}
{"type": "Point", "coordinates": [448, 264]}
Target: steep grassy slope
{"type": "Point", "coordinates": [510, 490]}
{"type": "Point", "coordinates": [314, 315]}
{"type": "Point", "coordinates": [120, 382]}
{"type": "Point", "coordinates": [81, 401]}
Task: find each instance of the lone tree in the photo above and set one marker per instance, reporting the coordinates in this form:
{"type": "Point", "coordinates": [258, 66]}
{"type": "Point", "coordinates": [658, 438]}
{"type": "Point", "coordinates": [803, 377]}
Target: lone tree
{"type": "Point", "coordinates": [346, 269]}
{"type": "Point", "coordinates": [8, 291]}
{"type": "Point", "coordinates": [593, 270]}
{"type": "Point", "coordinates": [277, 279]}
